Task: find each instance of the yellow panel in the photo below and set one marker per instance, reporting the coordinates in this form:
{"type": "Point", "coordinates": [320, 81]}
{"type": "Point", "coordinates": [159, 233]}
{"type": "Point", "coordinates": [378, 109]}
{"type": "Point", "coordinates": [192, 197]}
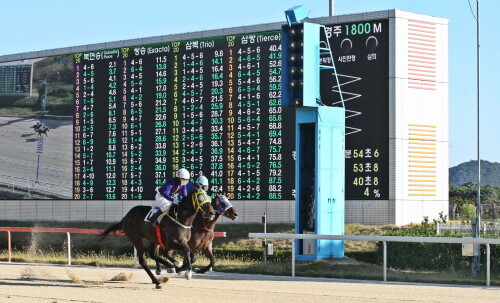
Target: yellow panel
{"type": "Point", "coordinates": [423, 143]}
{"type": "Point", "coordinates": [422, 139]}
{"type": "Point", "coordinates": [414, 180]}
{"type": "Point", "coordinates": [422, 166]}
{"type": "Point", "coordinates": [422, 147]}
{"type": "Point", "coordinates": [422, 157]}
{"type": "Point", "coordinates": [415, 134]}
{"type": "Point", "coordinates": [421, 152]}
{"type": "Point", "coordinates": [422, 125]}
{"type": "Point", "coordinates": [421, 130]}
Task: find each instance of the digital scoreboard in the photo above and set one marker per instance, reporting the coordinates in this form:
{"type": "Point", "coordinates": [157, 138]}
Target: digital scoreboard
{"type": "Point", "coordinates": [15, 79]}
{"type": "Point", "coordinates": [361, 53]}
{"type": "Point", "coordinates": [213, 106]}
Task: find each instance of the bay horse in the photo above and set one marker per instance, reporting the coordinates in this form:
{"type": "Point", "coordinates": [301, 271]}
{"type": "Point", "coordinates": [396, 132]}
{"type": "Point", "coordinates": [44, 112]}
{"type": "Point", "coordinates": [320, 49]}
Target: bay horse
{"type": "Point", "coordinates": [202, 233]}
{"type": "Point", "coordinates": [172, 233]}
{"type": "Point", "coordinates": [40, 129]}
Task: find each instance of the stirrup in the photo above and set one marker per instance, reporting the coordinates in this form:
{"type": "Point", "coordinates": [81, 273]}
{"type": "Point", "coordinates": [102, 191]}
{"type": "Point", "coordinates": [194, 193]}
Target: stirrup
{"type": "Point", "coordinates": [151, 217]}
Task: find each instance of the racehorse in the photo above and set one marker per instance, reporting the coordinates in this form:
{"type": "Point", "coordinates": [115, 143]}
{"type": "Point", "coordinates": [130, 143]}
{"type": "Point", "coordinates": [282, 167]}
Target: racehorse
{"type": "Point", "coordinates": [202, 233]}
{"type": "Point", "coordinates": [43, 131]}
{"type": "Point", "coordinates": [172, 233]}
{"type": "Point", "coordinates": [40, 129]}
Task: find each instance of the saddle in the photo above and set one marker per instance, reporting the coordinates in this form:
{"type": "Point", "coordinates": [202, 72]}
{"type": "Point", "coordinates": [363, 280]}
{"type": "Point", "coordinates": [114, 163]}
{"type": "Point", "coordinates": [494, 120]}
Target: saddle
{"type": "Point", "coordinates": [151, 214]}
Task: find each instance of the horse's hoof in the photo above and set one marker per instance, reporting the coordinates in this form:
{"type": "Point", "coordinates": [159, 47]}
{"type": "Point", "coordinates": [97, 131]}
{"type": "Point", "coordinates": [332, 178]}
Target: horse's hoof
{"type": "Point", "coordinates": [158, 272]}
{"type": "Point", "coordinates": [158, 286]}
{"type": "Point", "coordinates": [188, 275]}
{"type": "Point", "coordinates": [171, 270]}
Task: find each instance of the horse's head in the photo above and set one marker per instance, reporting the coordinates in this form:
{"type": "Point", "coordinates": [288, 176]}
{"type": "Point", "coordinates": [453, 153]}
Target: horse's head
{"type": "Point", "coordinates": [224, 207]}
{"type": "Point", "coordinates": [202, 203]}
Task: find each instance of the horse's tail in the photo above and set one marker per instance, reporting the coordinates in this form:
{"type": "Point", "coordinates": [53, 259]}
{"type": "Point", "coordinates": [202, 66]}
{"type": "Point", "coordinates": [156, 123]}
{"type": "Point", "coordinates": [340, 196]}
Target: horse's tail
{"type": "Point", "coordinates": [112, 228]}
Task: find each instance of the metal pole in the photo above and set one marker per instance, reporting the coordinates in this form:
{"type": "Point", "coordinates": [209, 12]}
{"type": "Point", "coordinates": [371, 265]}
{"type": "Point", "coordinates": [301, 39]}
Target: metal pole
{"type": "Point", "coordinates": [488, 265]}
{"type": "Point", "coordinates": [293, 257]}
{"type": "Point", "coordinates": [44, 98]}
{"type": "Point", "coordinates": [385, 261]}
{"type": "Point", "coordinates": [136, 260]}
{"type": "Point", "coordinates": [264, 242]}
{"type": "Point", "coordinates": [476, 259]}
{"type": "Point", "coordinates": [37, 168]}
{"type": "Point", "coordinates": [9, 247]}
{"type": "Point", "coordinates": [332, 7]}
{"type": "Point", "coordinates": [478, 128]}
{"type": "Point", "coordinates": [69, 248]}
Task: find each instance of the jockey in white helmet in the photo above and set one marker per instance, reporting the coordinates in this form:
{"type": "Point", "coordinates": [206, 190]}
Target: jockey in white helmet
{"type": "Point", "coordinates": [170, 193]}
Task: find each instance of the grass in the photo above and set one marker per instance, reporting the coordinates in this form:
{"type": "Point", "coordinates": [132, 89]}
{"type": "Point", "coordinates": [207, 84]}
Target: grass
{"type": "Point", "coordinates": [24, 112]}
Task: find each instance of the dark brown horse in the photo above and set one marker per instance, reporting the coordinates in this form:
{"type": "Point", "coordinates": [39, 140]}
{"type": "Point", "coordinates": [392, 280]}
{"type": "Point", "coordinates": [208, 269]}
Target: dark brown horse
{"type": "Point", "coordinates": [202, 233]}
{"type": "Point", "coordinates": [174, 233]}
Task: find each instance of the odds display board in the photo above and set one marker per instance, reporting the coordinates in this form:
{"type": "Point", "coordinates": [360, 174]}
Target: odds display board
{"type": "Point", "coordinates": [15, 79]}
{"type": "Point", "coordinates": [213, 106]}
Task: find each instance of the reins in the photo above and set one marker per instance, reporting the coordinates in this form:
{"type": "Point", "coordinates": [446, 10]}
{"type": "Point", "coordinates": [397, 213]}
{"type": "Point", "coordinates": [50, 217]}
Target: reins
{"type": "Point", "coordinates": [197, 205]}
{"type": "Point", "coordinates": [178, 223]}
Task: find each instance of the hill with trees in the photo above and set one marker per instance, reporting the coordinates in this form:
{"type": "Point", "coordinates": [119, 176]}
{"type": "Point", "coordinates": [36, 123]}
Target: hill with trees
{"type": "Point", "coordinates": [467, 173]}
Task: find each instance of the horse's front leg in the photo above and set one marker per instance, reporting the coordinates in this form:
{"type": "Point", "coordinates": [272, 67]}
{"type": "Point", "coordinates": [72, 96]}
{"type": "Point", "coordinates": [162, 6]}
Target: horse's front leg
{"type": "Point", "coordinates": [207, 251]}
{"type": "Point", "coordinates": [154, 252]}
{"type": "Point", "coordinates": [187, 261]}
{"type": "Point", "coordinates": [176, 264]}
{"type": "Point", "coordinates": [184, 266]}
{"type": "Point", "coordinates": [158, 267]}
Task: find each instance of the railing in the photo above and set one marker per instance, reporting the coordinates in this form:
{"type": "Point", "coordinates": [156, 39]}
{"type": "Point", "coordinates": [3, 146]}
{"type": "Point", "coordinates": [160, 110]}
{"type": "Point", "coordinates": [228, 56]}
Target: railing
{"type": "Point", "coordinates": [68, 231]}
{"type": "Point", "coordinates": [29, 186]}
{"type": "Point", "coordinates": [383, 239]}
{"type": "Point", "coordinates": [491, 228]}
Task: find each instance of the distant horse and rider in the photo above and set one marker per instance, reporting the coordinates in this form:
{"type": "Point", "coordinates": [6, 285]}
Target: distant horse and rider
{"type": "Point", "coordinates": [40, 129]}
{"type": "Point", "coordinates": [175, 231]}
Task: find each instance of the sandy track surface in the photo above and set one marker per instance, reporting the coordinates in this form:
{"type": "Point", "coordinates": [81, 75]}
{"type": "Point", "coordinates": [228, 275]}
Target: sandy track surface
{"type": "Point", "coordinates": [22, 282]}
{"type": "Point", "coordinates": [18, 145]}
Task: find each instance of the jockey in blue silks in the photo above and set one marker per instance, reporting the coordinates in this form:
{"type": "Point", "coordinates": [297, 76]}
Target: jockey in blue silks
{"type": "Point", "coordinates": [170, 193]}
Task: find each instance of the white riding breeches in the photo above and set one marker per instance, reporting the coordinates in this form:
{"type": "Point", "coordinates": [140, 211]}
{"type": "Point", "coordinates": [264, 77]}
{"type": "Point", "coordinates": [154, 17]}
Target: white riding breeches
{"type": "Point", "coordinates": [162, 202]}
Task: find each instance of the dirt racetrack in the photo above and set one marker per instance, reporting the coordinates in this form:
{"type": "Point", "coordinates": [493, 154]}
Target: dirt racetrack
{"type": "Point", "coordinates": [23, 282]}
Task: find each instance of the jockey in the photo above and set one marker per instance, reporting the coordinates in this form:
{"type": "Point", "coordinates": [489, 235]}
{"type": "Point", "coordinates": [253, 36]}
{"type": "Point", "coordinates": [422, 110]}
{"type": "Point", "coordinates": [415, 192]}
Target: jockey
{"type": "Point", "coordinates": [37, 126]}
{"type": "Point", "coordinates": [170, 193]}
{"type": "Point", "coordinates": [201, 183]}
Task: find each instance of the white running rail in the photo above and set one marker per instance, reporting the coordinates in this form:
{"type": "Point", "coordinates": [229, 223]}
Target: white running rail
{"type": "Point", "coordinates": [383, 239]}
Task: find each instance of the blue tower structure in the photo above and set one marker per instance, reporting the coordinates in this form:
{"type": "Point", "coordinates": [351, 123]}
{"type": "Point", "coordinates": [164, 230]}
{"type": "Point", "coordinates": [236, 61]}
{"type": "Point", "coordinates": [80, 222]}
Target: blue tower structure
{"type": "Point", "coordinates": [319, 141]}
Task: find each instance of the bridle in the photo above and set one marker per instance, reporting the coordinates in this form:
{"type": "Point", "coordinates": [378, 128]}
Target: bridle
{"type": "Point", "coordinates": [222, 199]}
{"type": "Point", "coordinates": [200, 198]}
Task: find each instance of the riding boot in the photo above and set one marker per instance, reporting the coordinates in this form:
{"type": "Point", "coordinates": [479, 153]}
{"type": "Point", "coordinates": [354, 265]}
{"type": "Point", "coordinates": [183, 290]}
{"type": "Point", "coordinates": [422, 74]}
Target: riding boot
{"type": "Point", "coordinates": [174, 209]}
{"type": "Point", "coordinates": [152, 218]}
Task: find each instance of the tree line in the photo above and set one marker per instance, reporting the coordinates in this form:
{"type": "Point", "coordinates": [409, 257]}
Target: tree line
{"type": "Point", "coordinates": [464, 198]}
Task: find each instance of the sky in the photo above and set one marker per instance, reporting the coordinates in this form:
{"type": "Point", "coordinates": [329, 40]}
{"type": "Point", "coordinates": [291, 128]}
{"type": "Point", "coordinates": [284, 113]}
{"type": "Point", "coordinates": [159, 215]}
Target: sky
{"type": "Point", "coordinates": [33, 25]}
